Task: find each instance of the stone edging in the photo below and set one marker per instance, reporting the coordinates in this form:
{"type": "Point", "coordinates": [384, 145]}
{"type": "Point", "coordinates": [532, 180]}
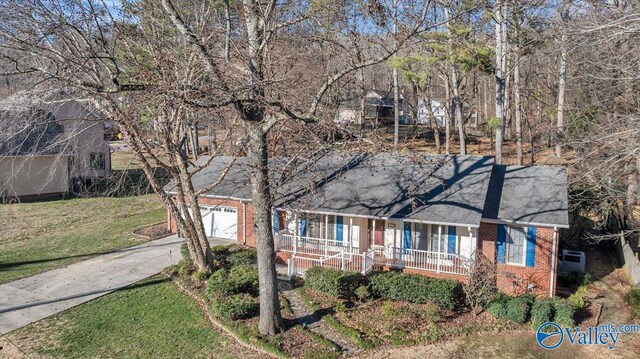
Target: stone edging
{"type": "Point", "coordinates": [218, 324]}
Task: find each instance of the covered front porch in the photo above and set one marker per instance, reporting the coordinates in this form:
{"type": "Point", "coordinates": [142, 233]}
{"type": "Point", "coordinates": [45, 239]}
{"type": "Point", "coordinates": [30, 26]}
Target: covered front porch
{"type": "Point", "coordinates": [361, 244]}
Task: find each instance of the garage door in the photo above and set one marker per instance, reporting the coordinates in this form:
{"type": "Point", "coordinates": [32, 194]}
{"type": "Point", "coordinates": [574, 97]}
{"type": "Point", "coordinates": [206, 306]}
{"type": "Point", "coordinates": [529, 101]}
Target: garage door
{"type": "Point", "coordinates": [220, 222]}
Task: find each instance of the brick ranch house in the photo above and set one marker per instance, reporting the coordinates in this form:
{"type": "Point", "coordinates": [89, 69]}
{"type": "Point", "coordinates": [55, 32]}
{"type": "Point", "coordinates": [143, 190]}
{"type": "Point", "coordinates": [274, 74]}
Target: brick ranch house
{"type": "Point", "coordinates": [427, 214]}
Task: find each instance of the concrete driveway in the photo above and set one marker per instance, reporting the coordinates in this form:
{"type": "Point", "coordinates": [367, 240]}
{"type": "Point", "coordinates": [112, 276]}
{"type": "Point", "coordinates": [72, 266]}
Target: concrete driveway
{"type": "Point", "coordinates": [30, 299]}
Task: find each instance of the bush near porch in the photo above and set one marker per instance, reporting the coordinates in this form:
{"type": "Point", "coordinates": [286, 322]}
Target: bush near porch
{"type": "Point", "coordinates": [232, 297]}
{"type": "Point", "coordinates": [415, 288]}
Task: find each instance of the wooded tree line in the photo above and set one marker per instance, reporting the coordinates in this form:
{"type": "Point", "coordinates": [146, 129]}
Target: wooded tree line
{"type": "Point", "coordinates": [267, 77]}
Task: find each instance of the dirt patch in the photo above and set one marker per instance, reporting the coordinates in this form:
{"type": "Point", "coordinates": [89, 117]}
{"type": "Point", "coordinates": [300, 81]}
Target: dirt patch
{"type": "Point", "coordinates": [154, 232]}
{"type": "Point", "coordinates": [609, 286]}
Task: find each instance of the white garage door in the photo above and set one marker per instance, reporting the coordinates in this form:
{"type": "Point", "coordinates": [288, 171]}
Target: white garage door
{"type": "Point", "coordinates": [220, 222]}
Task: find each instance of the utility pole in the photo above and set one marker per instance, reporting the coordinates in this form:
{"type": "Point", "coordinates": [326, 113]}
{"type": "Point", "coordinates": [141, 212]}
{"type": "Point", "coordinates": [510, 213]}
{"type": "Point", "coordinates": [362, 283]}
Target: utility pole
{"type": "Point", "coordinates": [396, 100]}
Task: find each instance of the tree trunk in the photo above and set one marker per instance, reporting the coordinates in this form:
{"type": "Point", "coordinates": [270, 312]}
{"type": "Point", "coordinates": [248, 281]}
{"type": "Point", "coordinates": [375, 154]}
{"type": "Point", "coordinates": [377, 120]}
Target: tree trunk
{"type": "Point", "coordinates": [457, 108]}
{"type": "Point", "coordinates": [447, 116]}
{"type": "Point", "coordinates": [562, 78]}
{"type": "Point", "coordinates": [633, 182]}
{"type": "Point", "coordinates": [501, 65]}
{"type": "Point", "coordinates": [396, 98]}
{"type": "Point", "coordinates": [516, 90]}
{"type": "Point", "coordinates": [270, 318]}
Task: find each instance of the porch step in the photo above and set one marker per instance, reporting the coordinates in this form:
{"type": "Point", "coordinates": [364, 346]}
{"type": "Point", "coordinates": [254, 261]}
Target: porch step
{"type": "Point", "coordinates": [313, 322]}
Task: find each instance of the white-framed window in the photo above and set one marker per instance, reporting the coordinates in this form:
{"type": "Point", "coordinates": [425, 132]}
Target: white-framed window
{"type": "Point", "coordinates": [515, 245]}
{"type": "Point", "coordinates": [438, 238]}
{"type": "Point", "coordinates": [420, 236]}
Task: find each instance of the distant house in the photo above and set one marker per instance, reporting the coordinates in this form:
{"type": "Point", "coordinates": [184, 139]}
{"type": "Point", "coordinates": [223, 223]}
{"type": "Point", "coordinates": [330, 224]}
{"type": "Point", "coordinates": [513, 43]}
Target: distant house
{"type": "Point", "coordinates": [427, 214]}
{"type": "Point", "coordinates": [378, 107]}
{"type": "Point", "coordinates": [48, 140]}
{"type": "Point", "coordinates": [424, 117]}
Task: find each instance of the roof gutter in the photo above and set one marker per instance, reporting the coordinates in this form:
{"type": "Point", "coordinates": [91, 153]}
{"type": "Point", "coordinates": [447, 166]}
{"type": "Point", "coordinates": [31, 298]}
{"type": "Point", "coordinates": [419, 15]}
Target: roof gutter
{"type": "Point", "coordinates": [535, 224]}
{"type": "Point", "coordinates": [378, 217]}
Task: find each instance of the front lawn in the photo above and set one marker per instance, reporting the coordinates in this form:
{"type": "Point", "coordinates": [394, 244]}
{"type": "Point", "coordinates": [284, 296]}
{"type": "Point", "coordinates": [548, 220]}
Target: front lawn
{"type": "Point", "coordinates": [150, 319]}
{"type": "Point", "coordinates": [39, 236]}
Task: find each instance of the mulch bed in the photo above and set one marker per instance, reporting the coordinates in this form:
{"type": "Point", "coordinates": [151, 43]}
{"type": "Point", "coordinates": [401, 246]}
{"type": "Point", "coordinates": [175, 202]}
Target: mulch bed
{"type": "Point", "coordinates": [153, 232]}
{"type": "Point", "coordinates": [386, 322]}
{"type": "Point", "coordinates": [295, 341]}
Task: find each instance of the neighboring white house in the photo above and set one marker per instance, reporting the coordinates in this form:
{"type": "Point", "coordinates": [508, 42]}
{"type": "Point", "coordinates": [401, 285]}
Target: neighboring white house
{"type": "Point", "coordinates": [424, 118]}
{"type": "Point", "coordinates": [48, 140]}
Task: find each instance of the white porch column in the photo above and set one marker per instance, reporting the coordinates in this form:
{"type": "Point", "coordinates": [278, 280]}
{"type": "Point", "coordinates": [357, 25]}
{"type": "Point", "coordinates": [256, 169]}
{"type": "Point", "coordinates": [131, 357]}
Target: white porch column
{"type": "Point", "coordinates": [326, 236]}
{"type": "Point", "coordinates": [373, 233]}
{"type": "Point", "coordinates": [350, 235]}
{"type": "Point", "coordinates": [439, 248]}
{"type": "Point", "coordinates": [297, 232]}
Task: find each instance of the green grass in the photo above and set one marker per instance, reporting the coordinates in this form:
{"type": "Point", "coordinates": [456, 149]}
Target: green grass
{"type": "Point", "coordinates": [36, 237]}
{"type": "Point", "coordinates": [151, 319]}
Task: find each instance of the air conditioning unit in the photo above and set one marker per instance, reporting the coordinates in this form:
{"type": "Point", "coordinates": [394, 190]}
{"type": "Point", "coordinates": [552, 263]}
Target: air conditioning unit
{"type": "Point", "coordinates": [572, 261]}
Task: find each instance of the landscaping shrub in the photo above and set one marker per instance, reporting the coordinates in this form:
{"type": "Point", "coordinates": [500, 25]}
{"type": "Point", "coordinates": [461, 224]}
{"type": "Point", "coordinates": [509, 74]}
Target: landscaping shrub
{"type": "Point", "coordinates": [238, 279]}
{"type": "Point", "coordinates": [235, 307]}
{"type": "Point", "coordinates": [333, 282]}
{"type": "Point", "coordinates": [518, 310]}
{"type": "Point", "coordinates": [498, 310]}
{"type": "Point", "coordinates": [541, 312]}
{"type": "Point", "coordinates": [577, 298]}
{"type": "Point", "coordinates": [199, 276]}
{"type": "Point", "coordinates": [220, 255]}
{"type": "Point", "coordinates": [416, 288]}
{"type": "Point", "coordinates": [362, 293]}
{"type": "Point", "coordinates": [245, 256]}
{"type": "Point", "coordinates": [633, 297]}
{"type": "Point", "coordinates": [498, 306]}
{"type": "Point", "coordinates": [564, 312]}
{"type": "Point", "coordinates": [184, 250]}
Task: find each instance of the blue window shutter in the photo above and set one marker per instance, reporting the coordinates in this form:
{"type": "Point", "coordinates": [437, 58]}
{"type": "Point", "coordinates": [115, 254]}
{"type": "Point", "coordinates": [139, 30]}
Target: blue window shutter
{"type": "Point", "coordinates": [451, 243]}
{"type": "Point", "coordinates": [276, 221]}
{"type": "Point", "coordinates": [501, 242]}
{"type": "Point", "coordinates": [531, 246]}
{"type": "Point", "coordinates": [339, 228]}
{"type": "Point", "coordinates": [303, 227]}
{"type": "Point", "coordinates": [406, 243]}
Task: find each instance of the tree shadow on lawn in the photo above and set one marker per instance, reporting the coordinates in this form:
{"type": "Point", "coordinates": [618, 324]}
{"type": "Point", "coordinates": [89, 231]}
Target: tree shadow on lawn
{"type": "Point", "coordinates": [140, 284]}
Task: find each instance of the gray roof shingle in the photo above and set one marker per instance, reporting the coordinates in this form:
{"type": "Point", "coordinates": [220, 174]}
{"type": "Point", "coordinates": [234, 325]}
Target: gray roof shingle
{"type": "Point", "coordinates": [534, 195]}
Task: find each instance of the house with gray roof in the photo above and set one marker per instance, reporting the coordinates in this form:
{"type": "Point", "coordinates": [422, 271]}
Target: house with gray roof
{"type": "Point", "coordinates": [48, 139]}
{"type": "Point", "coordinates": [434, 215]}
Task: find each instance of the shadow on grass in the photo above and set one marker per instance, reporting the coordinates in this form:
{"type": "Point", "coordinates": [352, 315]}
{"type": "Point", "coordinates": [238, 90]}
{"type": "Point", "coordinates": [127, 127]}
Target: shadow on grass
{"type": "Point", "coordinates": [141, 284]}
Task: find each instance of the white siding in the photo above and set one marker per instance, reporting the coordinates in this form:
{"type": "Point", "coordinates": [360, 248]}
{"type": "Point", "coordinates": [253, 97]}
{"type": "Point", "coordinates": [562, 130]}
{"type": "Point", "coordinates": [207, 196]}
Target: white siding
{"type": "Point", "coordinates": [25, 176]}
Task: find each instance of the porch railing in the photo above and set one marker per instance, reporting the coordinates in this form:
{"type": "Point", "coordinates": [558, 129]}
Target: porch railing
{"type": "Point", "coordinates": [358, 262]}
{"type": "Point", "coordinates": [423, 260]}
{"type": "Point", "coordinates": [308, 245]}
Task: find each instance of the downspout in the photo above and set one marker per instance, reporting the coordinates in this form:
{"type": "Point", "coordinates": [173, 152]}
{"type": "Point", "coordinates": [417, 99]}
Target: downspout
{"type": "Point", "coordinates": [554, 244]}
{"type": "Point", "coordinates": [244, 223]}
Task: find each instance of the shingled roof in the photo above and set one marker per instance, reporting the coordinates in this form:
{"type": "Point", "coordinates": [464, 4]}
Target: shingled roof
{"type": "Point", "coordinates": [456, 190]}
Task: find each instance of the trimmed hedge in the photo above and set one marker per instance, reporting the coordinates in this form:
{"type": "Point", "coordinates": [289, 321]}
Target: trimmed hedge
{"type": "Point", "coordinates": [238, 306]}
{"type": "Point", "coordinates": [415, 288]}
{"type": "Point", "coordinates": [515, 309]}
{"type": "Point", "coordinates": [541, 312]}
{"type": "Point", "coordinates": [238, 279]}
{"type": "Point", "coordinates": [245, 256]}
{"type": "Point", "coordinates": [334, 282]}
{"type": "Point", "coordinates": [564, 311]}
{"type": "Point", "coordinates": [518, 310]}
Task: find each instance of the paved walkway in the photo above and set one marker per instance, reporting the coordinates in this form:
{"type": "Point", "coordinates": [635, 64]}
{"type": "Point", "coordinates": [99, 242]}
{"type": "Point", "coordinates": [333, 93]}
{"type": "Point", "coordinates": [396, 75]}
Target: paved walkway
{"type": "Point", "coordinates": [30, 299]}
{"type": "Point", "coordinates": [313, 321]}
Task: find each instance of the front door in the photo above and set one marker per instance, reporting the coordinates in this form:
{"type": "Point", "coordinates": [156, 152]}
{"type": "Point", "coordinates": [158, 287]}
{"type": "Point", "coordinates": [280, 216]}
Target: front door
{"type": "Point", "coordinates": [378, 232]}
